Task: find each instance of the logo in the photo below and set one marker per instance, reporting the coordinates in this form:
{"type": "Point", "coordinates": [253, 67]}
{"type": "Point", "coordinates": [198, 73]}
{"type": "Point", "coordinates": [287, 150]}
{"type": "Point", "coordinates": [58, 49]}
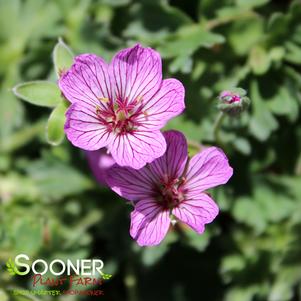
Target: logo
{"type": "Point", "coordinates": [57, 267]}
{"type": "Point", "coordinates": [66, 274]}
{"type": "Point", "coordinates": [10, 266]}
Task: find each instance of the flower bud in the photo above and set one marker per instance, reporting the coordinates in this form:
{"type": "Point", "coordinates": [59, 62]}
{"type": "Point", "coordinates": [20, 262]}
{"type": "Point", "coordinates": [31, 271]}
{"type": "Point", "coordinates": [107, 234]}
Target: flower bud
{"type": "Point", "coordinates": [233, 102]}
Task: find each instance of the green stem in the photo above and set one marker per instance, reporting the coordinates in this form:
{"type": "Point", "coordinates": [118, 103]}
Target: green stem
{"type": "Point", "coordinates": [211, 24]}
{"type": "Point", "coordinates": [216, 128]}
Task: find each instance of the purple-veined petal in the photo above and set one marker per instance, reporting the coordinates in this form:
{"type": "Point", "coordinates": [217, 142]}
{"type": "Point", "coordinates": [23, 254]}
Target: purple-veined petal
{"type": "Point", "coordinates": [207, 169]}
{"type": "Point", "coordinates": [132, 184]}
{"type": "Point", "coordinates": [100, 162]}
{"type": "Point", "coordinates": [149, 223]}
{"type": "Point", "coordinates": [197, 212]}
{"type": "Point", "coordinates": [84, 130]}
{"type": "Point", "coordinates": [87, 81]}
{"type": "Point", "coordinates": [171, 164]}
{"type": "Point", "coordinates": [136, 73]}
{"type": "Point", "coordinates": [167, 103]}
{"type": "Point", "coordinates": [138, 148]}
{"type": "Point", "coordinates": [137, 184]}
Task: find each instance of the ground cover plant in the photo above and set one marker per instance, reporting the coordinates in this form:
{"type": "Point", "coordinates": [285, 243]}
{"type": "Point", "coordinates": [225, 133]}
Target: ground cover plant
{"type": "Point", "coordinates": [52, 205]}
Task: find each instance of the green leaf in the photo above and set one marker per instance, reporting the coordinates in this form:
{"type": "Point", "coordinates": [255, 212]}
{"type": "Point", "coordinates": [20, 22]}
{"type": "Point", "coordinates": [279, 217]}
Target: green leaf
{"type": "Point", "coordinates": [262, 122]}
{"type": "Point", "coordinates": [11, 115]}
{"type": "Point", "coordinates": [231, 264]}
{"type": "Point", "coordinates": [28, 235]}
{"type": "Point", "coordinates": [3, 296]}
{"type": "Point", "coordinates": [251, 3]}
{"type": "Point", "coordinates": [40, 93]}
{"type": "Point", "coordinates": [116, 2]}
{"type": "Point", "coordinates": [283, 287]}
{"type": "Point", "coordinates": [143, 28]}
{"type": "Point", "coordinates": [253, 28]}
{"type": "Point", "coordinates": [293, 54]}
{"type": "Point", "coordinates": [55, 124]}
{"type": "Point", "coordinates": [197, 242]}
{"type": "Point", "coordinates": [187, 40]}
{"type": "Point", "coordinates": [242, 145]}
{"type": "Point", "coordinates": [237, 293]}
{"type": "Point", "coordinates": [277, 23]}
{"type": "Point", "coordinates": [22, 137]}
{"type": "Point", "coordinates": [62, 57]}
{"type": "Point", "coordinates": [277, 54]}
{"type": "Point", "coordinates": [151, 256]}
{"type": "Point", "coordinates": [285, 102]}
{"type": "Point", "coordinates": [181, 63]}
{"type": "Point", "coordinates": [259, 60]}
{"type": "Point", "coordinates": [49, 176]}
{"type": "Point", "coordinates": [191, 130]}
{"type": "Point", "coordinates": [294, 75]}
{"type": "Point", "coordinates": [247, 211]}
{"type": "Point", "coordinates": [295, 7]}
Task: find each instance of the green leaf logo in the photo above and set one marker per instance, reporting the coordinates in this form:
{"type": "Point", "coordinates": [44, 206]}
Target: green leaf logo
{"type": "Point", "coordinates": [106, 276]}
{"type": "Point", "coordinates": [10, 266]}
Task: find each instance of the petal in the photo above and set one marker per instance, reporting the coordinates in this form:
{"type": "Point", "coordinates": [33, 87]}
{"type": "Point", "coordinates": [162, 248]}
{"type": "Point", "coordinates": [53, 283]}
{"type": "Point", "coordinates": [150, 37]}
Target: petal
{"type": "Point", "coordinates": [132, 184]}
{"type": "Point", "coordinates": [208, 169]}
{"type": "Point", "coordinates": [149, 223]}
{"type": "Point", "coordinates": [138, 148]}
{"type": "Point", "coordinates": [137, 184]}
{"type": "Point", "coordinates": [136, 72]}
{"type": "Point", "coordinates": [84, 130]}
{"type": "Point", "coordinates": [167, 103]}
{"type": "Point", "coordinates": [100, 162]}
{"type": "Point", "coordinates": [171, 165]}
{"type": "Point", "coordinates": [197, 212]}
{"type": "Point", "coordinates": [87, 81]}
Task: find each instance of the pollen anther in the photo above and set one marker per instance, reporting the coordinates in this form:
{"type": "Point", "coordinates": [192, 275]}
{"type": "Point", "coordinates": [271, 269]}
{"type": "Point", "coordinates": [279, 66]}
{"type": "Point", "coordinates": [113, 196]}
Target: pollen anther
{"type": "Point", "coordinates": [103, 99]}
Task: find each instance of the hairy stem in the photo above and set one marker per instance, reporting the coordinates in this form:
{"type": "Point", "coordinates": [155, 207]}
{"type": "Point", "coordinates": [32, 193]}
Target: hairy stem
{"type": "Point", "coordinates": [216, 128]}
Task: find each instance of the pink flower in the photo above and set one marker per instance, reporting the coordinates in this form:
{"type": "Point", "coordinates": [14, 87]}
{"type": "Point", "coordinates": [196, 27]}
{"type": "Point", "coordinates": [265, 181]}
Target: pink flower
{"type": "Point", "coordinates": [171, 186]}
{"type": "Point", "coordinates": [100, 162]}
{"type": "Point", "coordinates": [121, 105]}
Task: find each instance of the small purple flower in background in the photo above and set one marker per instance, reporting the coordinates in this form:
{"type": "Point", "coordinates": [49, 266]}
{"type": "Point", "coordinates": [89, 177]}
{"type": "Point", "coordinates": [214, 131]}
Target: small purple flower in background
{"type": "Point", "coordinates": [121, 105]}
{"type": "Point", "coordinates": [171, 186]}
{"type": "Point", "coordinates": [100, 162]}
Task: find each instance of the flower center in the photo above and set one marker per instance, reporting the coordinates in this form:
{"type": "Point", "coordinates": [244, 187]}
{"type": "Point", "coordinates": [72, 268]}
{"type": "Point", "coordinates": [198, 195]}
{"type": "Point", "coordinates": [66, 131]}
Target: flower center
{"type": "Point", "coordinates": [121, 116]}
{"type": "Point", "coordinates": [170, 193]}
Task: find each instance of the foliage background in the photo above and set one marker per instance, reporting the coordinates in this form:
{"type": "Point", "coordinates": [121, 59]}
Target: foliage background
{"type": "Point", "coordinates": [52, 207]}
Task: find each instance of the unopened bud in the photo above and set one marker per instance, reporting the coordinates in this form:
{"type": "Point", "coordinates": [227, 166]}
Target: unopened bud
{"type": "Point", "coordinates": [233, 102]}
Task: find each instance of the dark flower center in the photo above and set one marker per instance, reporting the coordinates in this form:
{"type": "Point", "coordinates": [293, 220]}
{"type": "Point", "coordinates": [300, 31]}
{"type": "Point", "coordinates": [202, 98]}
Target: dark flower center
{"type": "Point", "coordinates": [170, 193]}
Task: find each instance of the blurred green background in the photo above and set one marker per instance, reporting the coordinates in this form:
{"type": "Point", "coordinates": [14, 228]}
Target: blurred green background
{"type": "Point", "coordinates": [50, 205]}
